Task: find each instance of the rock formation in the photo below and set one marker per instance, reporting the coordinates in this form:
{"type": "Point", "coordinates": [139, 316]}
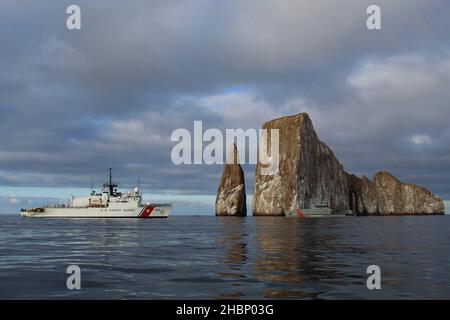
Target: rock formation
{"type": "Point", "coordinates": [231, 198]}
{"type": "Point", "coordinates": [386, 195]}
{"type": "Point", "coordinates": [309, 174]}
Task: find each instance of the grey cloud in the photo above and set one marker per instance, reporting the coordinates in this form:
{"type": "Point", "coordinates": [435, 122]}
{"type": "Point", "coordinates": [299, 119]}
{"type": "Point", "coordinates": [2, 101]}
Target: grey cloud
{"type": "Point", "coordinates": [75, 103]}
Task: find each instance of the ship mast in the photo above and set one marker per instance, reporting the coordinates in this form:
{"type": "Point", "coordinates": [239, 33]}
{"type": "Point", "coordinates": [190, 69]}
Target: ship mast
{"type": "Point", "coordinates": [111, 185]}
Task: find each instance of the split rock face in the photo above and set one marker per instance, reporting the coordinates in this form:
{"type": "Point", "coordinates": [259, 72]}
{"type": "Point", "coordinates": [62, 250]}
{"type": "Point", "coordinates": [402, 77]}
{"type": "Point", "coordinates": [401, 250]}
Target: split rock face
{"type": "Point", "coordinates": [310, 175]}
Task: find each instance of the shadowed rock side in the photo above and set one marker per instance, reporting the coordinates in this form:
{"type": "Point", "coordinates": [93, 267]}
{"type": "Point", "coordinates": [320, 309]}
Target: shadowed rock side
{"type": "Point", "coordinates": [309, 174]}
{"type": "Point", "coordinates": [386, 195]}
{"type": "Point", "coordinates": [231, 198]}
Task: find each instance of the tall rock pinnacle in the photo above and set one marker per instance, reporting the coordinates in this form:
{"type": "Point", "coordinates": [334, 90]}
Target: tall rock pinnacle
{"type": "Point", "coordinates": [231, 198]}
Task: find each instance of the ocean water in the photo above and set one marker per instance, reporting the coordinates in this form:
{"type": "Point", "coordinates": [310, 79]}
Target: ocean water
{"type": "Point", "coordinates": [204, 257]}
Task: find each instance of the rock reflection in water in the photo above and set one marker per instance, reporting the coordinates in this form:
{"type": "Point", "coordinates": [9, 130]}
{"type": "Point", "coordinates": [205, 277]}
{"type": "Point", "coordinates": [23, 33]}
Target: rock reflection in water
{"type": "Point", "coordinates": [293, 252]}
{"type": "Point", "coordinates": [235, 241]}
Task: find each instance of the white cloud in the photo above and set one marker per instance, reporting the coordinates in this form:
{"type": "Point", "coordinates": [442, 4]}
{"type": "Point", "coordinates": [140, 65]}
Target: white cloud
{"type": "Point", "coordinates": [246, 110]}
{"type": "Point", "coordinates": [421, 139]}
{"type": "Point", "coordinates": [13, 200]}
{"type": "Point", "coordinates": [405, 91]}
{"type": "Point", "coordinates": [401, 76]}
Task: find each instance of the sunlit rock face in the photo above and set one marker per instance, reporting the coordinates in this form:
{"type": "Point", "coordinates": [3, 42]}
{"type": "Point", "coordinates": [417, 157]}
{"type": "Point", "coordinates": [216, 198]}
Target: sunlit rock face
{"type": "Point", "coordinates": [386, 195]}
{"type": "Point", "coordinates": [231, 198]}
{"type": "Point", "coordinates": [309, 173]}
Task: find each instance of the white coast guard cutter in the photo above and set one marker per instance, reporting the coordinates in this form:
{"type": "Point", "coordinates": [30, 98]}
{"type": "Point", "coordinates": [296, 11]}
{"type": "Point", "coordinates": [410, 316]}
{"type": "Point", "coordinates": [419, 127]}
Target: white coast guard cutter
{"type": "Point", "coordinates": [107, 204]}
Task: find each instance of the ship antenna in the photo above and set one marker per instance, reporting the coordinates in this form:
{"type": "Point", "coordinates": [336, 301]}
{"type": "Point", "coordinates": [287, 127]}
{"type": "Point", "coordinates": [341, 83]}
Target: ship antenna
{"type": "Point", "coordinates": [139, 182]}
{"type": "Point", "coordinates": [110, 182]}
{"type": "Point", "coordinates": [111, 185]}
{"type": "Point", "coordinates": [92, 184]}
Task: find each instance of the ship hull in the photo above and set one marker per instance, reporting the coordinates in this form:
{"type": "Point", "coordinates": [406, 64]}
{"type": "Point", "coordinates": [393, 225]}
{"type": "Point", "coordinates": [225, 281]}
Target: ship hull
{"type": "Point", "coordinates": [98, 212]}
{"type": "Point", "coordinates": [311, 213]}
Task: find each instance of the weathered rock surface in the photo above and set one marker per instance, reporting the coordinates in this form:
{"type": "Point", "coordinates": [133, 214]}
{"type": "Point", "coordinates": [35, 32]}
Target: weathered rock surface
{"type": "Point", "coordinates": [231, 198]}
{"type": "Point", "coordinates": [386, 195]}
{"type": "Point", "coordinates": [309, 174]}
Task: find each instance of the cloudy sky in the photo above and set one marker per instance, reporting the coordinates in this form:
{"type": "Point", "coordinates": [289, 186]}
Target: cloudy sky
{"type": "Point", "coordinates": [73, 103]}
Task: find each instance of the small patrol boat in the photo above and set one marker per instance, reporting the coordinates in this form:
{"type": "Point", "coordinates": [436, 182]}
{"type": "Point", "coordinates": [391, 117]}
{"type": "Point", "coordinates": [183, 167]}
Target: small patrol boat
{"type": "Point", "coordinates": [320, 210]}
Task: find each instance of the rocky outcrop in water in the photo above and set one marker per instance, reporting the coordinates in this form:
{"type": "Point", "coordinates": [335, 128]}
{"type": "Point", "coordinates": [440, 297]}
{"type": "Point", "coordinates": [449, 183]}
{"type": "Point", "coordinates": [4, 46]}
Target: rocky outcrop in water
{"type": "Point", "coordinates": [231, 198]}
{"type": "Point", "coordinates": [310, 175]}
{"type": "Point", "coordinates": [386, 195]}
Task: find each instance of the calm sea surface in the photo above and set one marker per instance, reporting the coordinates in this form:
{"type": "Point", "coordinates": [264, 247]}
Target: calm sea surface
{"type": "Point", "coordinates": [217, 258]}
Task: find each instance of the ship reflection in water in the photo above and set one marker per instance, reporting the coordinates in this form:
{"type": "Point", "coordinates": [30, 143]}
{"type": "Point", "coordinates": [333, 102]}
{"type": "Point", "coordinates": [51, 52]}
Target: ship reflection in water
{"type": "Point", "coordinates": [225, 258]}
